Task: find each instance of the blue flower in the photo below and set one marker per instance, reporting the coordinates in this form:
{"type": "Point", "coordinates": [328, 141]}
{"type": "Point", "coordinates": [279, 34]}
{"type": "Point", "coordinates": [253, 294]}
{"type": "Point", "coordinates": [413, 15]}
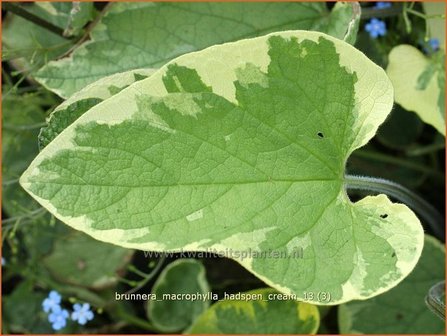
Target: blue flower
{"type": "Point", "coordinates": [375, 28]}
{"type": "Point", "coordinates": [58, 318]}
{"type": "Point", "coordinates": [51, 302]}
{"type": "Point", "coordinates": [82, 314]}
{"type": "Point", "coordinates": [3, 261]}
{"type": "Point", "coordinates": [382, 5]}
{"type": "Point", "coordinates": [434, 44]}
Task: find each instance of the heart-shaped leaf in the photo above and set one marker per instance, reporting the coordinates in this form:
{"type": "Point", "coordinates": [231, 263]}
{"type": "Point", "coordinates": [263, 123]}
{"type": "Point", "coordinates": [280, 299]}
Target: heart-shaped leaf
{"type": "Point", "coordinates": [163, 31]}
{"type": "Point", "coordinates": [79, 260]}
{"type": "Point", "coordinates": [419, 83]}
{"type": "Point", "coordinates": [240, 149]}
{"type": "Point", "coordinates": [260, 311]}
{"type": "Point", "coordinates": [177, 291]}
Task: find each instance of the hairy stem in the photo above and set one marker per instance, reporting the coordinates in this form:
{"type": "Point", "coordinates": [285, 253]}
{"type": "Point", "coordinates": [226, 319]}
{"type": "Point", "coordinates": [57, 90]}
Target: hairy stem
{"type": "Point", "coordinates": [23, 127]}
{"type": "Point", "coordinates": [148, 277]}
{"type": "Point", "coordinates": [425, 150]}
{"type": "Point", "coordinates": [425, 16]}
{"type": "Point", "coordinates": [427, 212]}
{"type": "Point", "coordinates": [434, 299]}
{"type": "Point", "coordinates": [367, 154]}
{"type": "Point", "coordinates": [31, 214]}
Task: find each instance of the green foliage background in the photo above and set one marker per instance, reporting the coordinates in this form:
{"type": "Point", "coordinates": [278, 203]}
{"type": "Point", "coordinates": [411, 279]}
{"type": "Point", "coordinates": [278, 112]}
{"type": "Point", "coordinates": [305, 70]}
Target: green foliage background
{"type": "Point", "coordinates": [42, 254]}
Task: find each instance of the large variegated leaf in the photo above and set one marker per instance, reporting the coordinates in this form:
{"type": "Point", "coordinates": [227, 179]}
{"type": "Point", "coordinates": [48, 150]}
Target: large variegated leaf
{"type": "Point", "coordinates": [260, 311]}
{"type": "Point", "coordinates": [419, 83]}
{"type": "Point", "coordinates": [79, 260]}
{"type": "Point", "coordinates": [179, 281]}
{"type": "Point", "coordinates": [148, 35]}
{"type": "Point", "coordinates": [240, 149]}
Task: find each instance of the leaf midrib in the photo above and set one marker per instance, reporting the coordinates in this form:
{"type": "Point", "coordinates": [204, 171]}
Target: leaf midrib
{"type": "Point", "coordinates": [196, 184]}
{"type": "Point", "coordinates": [164, 60]}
